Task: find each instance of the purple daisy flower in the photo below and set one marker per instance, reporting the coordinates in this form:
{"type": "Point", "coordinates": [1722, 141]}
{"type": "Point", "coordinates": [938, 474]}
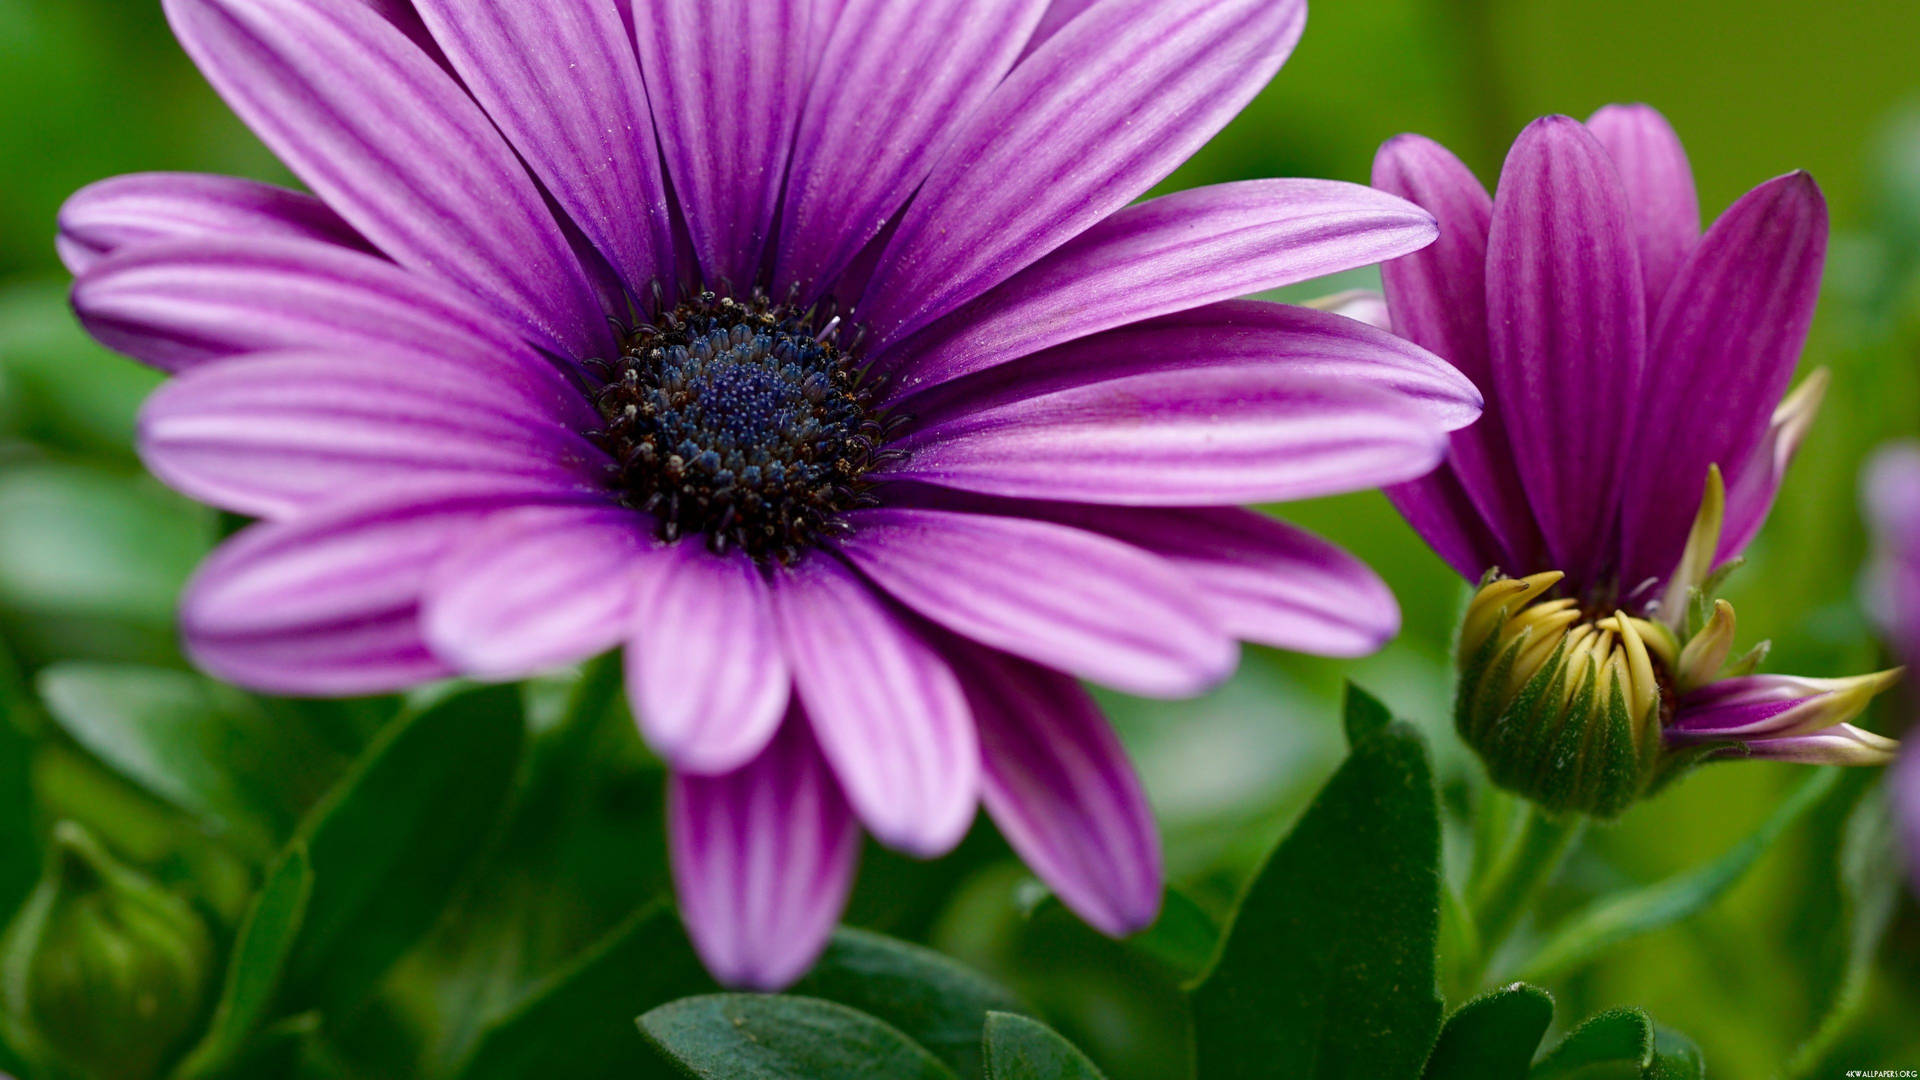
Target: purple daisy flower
{"type": "Point", "coordinates": [1892, 591]}
{"type": "Point", "coordinates": [1634, 438]}
{"type": "Point", "coordinates": [809, 350]}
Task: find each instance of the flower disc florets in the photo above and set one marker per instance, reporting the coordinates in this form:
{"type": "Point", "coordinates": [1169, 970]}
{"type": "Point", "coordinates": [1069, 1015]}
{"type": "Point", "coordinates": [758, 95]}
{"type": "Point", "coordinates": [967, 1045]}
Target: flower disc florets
{"type": "Point", "coordinates": [741, 420]}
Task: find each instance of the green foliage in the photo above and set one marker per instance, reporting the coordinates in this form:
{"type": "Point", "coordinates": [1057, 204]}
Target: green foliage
{"type": "Point", "coordinates": [938, 1003]}
{"type": "Point", "coordinates": [748, 1037]}
{"type": "Point", "coordinates": [1493, 1036]}
{"type": "Point", "coordinates": [1305, 974]}
{"type": "Point", "coordinates": [1022, 1048]}
{"type": "Point", "coordinates": [388, 845]}
{"type": "Point", "coordinates": [259, 959]}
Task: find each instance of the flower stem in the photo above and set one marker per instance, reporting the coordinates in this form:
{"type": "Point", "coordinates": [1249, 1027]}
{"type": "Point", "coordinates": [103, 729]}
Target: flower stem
{"type": "Point", "coordinates": [1530, 861]}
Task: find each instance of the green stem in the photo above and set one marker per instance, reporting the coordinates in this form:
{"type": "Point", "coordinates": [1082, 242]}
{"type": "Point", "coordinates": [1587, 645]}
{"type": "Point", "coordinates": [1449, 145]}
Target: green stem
{"type": "Point", "coordinates": [1530, 862]}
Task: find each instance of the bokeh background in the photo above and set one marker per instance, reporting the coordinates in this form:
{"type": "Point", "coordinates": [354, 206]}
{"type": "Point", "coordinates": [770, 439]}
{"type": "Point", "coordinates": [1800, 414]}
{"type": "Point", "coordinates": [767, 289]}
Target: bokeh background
{"type": "Point", "coordinates": [92, 552]}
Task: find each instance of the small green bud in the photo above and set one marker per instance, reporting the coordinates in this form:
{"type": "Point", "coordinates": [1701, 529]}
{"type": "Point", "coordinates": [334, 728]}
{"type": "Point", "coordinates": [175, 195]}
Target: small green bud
{"type": "Point", "coordinates": [1564, 708]}
{"type": "Point", "coordinates": [103, 973]}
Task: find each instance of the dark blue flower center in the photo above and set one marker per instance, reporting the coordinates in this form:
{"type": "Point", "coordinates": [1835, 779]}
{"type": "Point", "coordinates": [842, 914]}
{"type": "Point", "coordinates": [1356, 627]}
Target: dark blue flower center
{"type": "Point", "coordinates": [743, 421]}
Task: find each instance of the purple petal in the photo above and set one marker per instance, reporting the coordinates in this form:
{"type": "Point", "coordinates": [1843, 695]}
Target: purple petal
{"type": "Point", "coordinates": [925, 67]}
{"type": "Point", "coordinates": [1234, 334]}
{"type": "Point", "coordinates": [271, 434]}
{"type": "Point", "coordinates": [1566, 317]}
{"type": "Point", "coordinates": [393, 144]}
{"type": "Point", "coordinates": [1473, 509]}
{"type": "Point", "coordinates": [884, 705]}
{"type": "Point", "coordinates": [1659, 182]}
{"type": "Point", "coordinates": [1059, 786]}
{"type": "Point", "coordinates": [536, 589]}
{"type": "Point", "coordinates": [1266, 580]}
{"type": "Point", "coordinates": [560, 79]}
{"type": "Point", "coordinates": [1207, 435]}
{"type": "Point", "coordinates": [1755, 484]}
{"type": "Point", "coordinates": [328, 604]}
{"type": "Point", "coordinates": [1892, 588]}
{"type": "Point", "coordinates": [763, 859]}
{"type": "Point", "coordinates": [706, 669]}
{"type": "Point", "coordinates": [1842, 744]}
{"type": "Point", "coordinates": [1059, 13]}
{"type": "Point", "coordinates": [1727, 340]}
{"type": "Point", "coordinates": [1167, 255]}
{"type": "Point", "coordinates": [1056, 595]}
{"type": "Point", "coordinates": [178, 303]}
{"type": "Point", "coordinates": [727, 79]}
{"type": "Point", "coordinates": [1096, 116]}
{"type": "Point", "coordinates": [146, 207]}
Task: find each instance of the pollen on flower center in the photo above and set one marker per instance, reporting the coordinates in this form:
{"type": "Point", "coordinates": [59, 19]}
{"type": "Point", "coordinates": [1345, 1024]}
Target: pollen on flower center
{"type": "Point", "coordinates": [743, 421]}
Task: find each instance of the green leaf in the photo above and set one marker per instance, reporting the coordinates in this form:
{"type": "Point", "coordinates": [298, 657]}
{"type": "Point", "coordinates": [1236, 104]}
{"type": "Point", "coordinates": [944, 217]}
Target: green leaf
{"type": "Point", "coordinates": [580, 1022]}
{"type": "Point", "coordinates": [201, 747]}
{"type": "Point", "coordinates": [750, 1037]}
{"type": "Point", "coordinates": [1614, 1044]}
{"type": "Point", "coordinates": [19, 846]}
{"type": "Point", "coordinates": [1675, 1057]}
{"type": "Point", "coordinates": [1492, 1037]}
{"type": "Point", "coordinates": [1365, 715]}
{"type": "Point", "coordinates": [1617, 917]}
{"type": "Point", "coordinates": [934, 1000]}
{"type": "Point", "coordinates": [258, 961]}
{"type": "Point", "coordinates": [91, 563]}
{"type": "Point", "coordinates": [1019, 1048]}
{"type": "Point", "coordinates": [388, 845]}
{"type": "Point", "coordinates": [1329, 963]}
{"type": "Point", "coordinates": [66, 391]}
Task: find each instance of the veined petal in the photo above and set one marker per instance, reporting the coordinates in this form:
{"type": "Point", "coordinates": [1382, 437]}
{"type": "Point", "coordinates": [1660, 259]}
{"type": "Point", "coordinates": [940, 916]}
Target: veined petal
{"type": "Point", "coordinates": [1293, 341]}
{"type": "Point", "coordinates": [1059, 13]}
{"type": "Point", "coordinates": [1473, 509]}
{"type": "Point", "coordinates": [380, 132]}
{"type": "Point", "coordinates": [1566, 317]}
{"type": "Point", "coordinates": [537, 588]}
{"type": "Point", "coordinates": [1842, 744]}
{"type": "Point", "coordinates": [177, 303]}
{"type": "Point", "coordinates": [560, 79]}
{"type": "Point", "coordinates": [1105, 109]}
{"type": "Point", "coordinates": [328, 604]}
{"type": "Point", "coordinates": [727, 79]}
{"type": "Point", "coordinates": [1265, 580]}
{"type": "Point", "coordinates": [1756, 707]}
{"type": "Point", "coordinates": [925, 67]}
{"type": "Point", "coordinates": [1170, 254]}
{"type": "Point", "coordinates": [1208, 436]}
{"type": "Point", "coordinates": [1060, 596]}
{"type": "Point", "coordinates": [145, 207]}
{"type": "Point", "coordinates": [1659, 181]}
{"type": "Point", "coordinates": [1757, 483]}
{"type": "Point", "coordinates": [1058, 784]}
{"type": "Point", "coordinates": [763, 859]}
{"type": "Point", "coordinates": [706, 668]}
{"type": "Point", "coordinates": [272, 434]}
{"type": "Point", "coordinates": [1727, 339]}
{"type": "Point", "coordinates": [885, 707]}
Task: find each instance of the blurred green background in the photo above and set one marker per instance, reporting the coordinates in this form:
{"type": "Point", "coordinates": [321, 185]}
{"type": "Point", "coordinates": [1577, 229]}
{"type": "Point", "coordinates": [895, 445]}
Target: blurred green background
{"type": "Point", "coordinates": [92, 552]}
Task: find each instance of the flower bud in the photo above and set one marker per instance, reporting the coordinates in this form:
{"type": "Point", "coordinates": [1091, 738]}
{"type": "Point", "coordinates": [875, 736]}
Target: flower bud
{"type": "Point", "coordinates": [103, 973]}
{"type": "Point", "coordinates": [1564, 708]}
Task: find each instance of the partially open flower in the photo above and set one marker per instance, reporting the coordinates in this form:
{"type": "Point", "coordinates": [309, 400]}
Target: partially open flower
{"type": "Point", "coordinates": [1634, 437]}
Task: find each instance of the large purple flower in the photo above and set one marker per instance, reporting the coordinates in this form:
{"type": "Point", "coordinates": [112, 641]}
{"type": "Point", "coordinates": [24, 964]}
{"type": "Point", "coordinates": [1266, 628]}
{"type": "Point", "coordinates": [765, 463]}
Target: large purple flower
{"type": "Point", "coordinates": [810, 350]}
{"type": "Point", "coordinates": [1893, 593]}
{"type": "Point", "coordinates": [1634, 438]}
